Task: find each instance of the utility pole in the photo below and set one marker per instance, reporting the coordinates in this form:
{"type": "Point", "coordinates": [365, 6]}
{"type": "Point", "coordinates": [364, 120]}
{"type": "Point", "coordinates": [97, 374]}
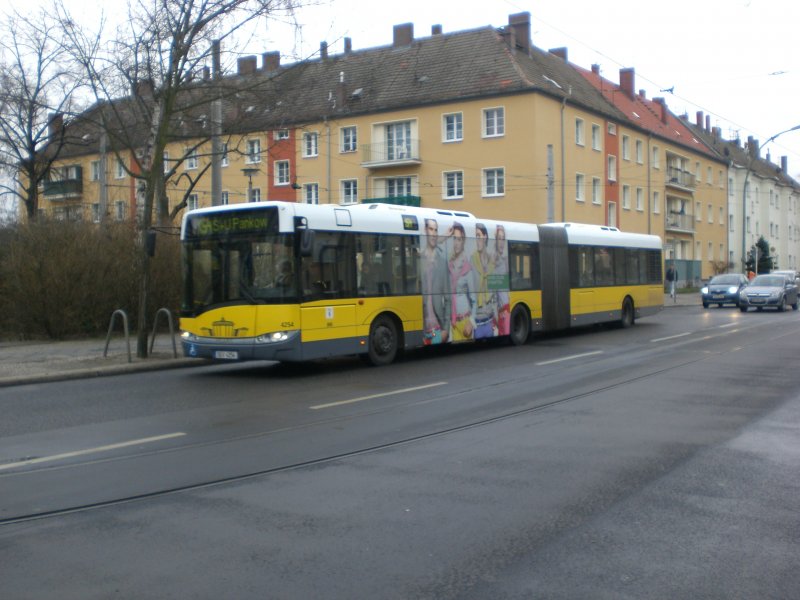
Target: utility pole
{"type": "Point", "coordinates": [216, 128]}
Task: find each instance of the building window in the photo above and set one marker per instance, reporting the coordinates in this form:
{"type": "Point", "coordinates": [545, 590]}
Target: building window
{"type": "Point", "coordinates": [398, 140]}
{"type": "Point", "coordinates": [656, 158]}
{"type": "Point", "coordinates": [397, 187]}
{"type": "Point", "coordinates": [626, 197]}
{"type": "Point", "coordinates": [225, 199]}
{"type": "Point", "coordinates": [494, 182]}
{"type": "Point", "coordinates": [730, 222]}
{"type": "Point", "coordinates": [349, 191]}
{"type": "Point", "coordinates": [596, 138]}
{"type": "Point", "coordinates": [166, 163]}
{"type": "Point", "coordinates": [224, 159]}
{"type": "Point", "coordinates": [95, 170]}
{"type": "Point", "coordinates": [656, 203]}
{"type": "Point", "coordinates": [597, 195]}
{"type": "Point", "coordinates": [580, 185]}
{"type": "Point", "coordinates": [580, 138]}
{"type": "Point", "coordinates": [612, 167]}
{"type": "Point", "coordinates": [454, 185]}
{"type": "Point", "coordinates": [191, 159]}
{"type": "Point", "coordinates": [311, 193]}
{"type": "Point", "coordinates": [494, 124]}
{"type": "Point", "coordinates": [639, 199]}
{"type": "Point", "coordinates": [710, 213]}
{"type": "Point", "coordinates": [612, 129]}
{"type": "Point", "coordinates": [282, 134]}
{"type": "Point", "coordinates": [255, 195]}
{"type": "Point", "coordinates": [349, 139]}
{"type": "Point", "coordinates": [626, 147]}
{"type": "Point", "coordinates": [710, 251]}
{"type": "Point", "coordinates": [453, 127]}
{"type": "Point", "coordinates": [310, 145]}
{"type": "Point", "coordinates": [119, 171]}
{"type": "Point", "coordinates": [698, 209]}
{"type": "Point", "coordinates": [639, 152]}
{"type": "Point", "coordinates": [253, 152]}
{"type": "Point", "coordinates": [281, 172]}
{"type": "Point", "coordinates": [119, 210]}
{"type": "Point", "coordinates": [192, 203]}
{"type": "Point", "coordinates": [96, 212]}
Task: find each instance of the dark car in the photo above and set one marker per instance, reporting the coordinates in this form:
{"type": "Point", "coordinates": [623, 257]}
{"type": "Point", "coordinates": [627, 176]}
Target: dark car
{"type": "Point", "coordinates": [774, 290]}
{"type": "Point", "coordinates": [723, 289]}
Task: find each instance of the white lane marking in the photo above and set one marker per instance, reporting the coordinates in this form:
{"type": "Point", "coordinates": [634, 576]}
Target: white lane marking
{"type": "Point", "coordinates": [54, 457]}
{"type": "Point", "coordinates": [672, 337]}
{"type": "Point", "coordinates": [728, 325]}
{"type": "Point", "coordinates": [373, 396]}
{"type": "Point", "coordinates": [573, 357]}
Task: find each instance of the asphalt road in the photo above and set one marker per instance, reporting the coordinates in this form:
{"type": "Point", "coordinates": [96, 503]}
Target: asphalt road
{"type": "Point", "coordinates": [655, 462]}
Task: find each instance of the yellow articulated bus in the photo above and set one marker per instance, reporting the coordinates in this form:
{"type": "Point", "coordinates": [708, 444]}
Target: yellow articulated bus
{"type": "Point", "coordinates": [294, 282]}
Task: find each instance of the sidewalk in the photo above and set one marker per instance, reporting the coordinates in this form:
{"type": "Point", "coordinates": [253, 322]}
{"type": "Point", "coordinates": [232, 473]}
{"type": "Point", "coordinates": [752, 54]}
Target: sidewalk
{"type": "Point", "coordinates": [690, 299]}
{"type": "Point", "coordinates": [43, 361]}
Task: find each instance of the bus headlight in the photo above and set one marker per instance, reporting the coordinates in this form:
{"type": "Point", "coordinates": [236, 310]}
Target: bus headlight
{"type": "Point", "coordinates": [274, 337]}
{"type": "Point", "coordinates": [188, 336]}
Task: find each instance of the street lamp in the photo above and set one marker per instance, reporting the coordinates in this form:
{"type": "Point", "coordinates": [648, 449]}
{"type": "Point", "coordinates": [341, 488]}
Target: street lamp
{"type": "Point", "coordinates": [744, 192]}
{"type": "Point", "coordinates": [249, 172]}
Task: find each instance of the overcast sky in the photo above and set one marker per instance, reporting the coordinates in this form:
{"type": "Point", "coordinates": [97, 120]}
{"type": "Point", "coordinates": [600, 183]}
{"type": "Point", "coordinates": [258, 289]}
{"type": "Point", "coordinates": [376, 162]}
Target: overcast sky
{"type": "Point", "coordinates": [736, 60]}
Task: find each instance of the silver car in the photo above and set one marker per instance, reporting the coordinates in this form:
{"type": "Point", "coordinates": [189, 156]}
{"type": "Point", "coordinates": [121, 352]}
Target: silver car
{"type": "Point", "coordinates": [775, 290]}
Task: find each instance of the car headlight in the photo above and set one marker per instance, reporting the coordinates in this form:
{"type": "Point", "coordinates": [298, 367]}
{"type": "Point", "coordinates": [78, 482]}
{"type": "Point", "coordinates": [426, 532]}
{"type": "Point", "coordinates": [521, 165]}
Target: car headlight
{"type": "Point", "coordinates": [732, 289]}
{"type": "Point", "coordinates": [704, 290]}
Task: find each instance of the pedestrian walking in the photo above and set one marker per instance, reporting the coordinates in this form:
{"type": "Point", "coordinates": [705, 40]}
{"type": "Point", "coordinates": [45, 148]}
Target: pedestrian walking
{"type": "Point", "coordinates": [672, 278]}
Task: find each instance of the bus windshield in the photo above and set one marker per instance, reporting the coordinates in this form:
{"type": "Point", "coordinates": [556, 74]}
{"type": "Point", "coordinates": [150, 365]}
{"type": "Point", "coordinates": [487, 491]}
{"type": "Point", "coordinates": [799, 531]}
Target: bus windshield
{"type": "Point", "coordinates": [245, 261]}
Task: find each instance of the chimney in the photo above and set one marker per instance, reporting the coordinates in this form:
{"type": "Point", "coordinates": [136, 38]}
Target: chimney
{"type": "Point", "coordinates": [323, 50]}
{"type": "Point", "coordinates": [436, 30]}
{"type": "Point", "coordinates": [348, 45]}
{"type": "Point", "coordinates": [559, 52]}
{"type": "Point", "coordinates": [642, 94]}
{"type": "Point", "coordinates": [699, 118]}
{"type": "Point", "coordinates": [403, 35]}
{"type": "Point", "coordinates": [716, 132]}
{"type": "Point", "coordinates": [785, 164]}
{"type": "Point", "coordinates": [206, 73]}
{"type": "Point", "coordinates": [247, 65]}
{"type": "Point", "coordinates": [664, 113]}
{"type": "Point", "coordinates": [627, 78]}
{"type": "Point", "coordinates": [596, 69]}
{"type": "Point", "coordinates": [520, 23]}
{"type": "Point", "coordinates": [55, 125]}
{"type": "Point", "coordinates": [270, 61]}
{"type": "Point", "coordinates": [752, 147]}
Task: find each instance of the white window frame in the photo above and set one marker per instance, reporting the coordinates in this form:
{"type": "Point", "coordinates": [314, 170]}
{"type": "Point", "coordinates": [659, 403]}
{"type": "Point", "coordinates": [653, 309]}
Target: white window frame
{"type": "Point", "coordinates": [453, 185]}
{"type": "Point", "coordinates": [656, 158]}
{"type": "Point", "coordinates": [494, 122]}
{"type": "Point", "coordinates": [311, 193]}
{"type": "Point", "coordinates": [281, 134]}
{"type": "Point", "coordinates": [626, 147]}
{"type": "Point", "coordinates": [310, 144]}
{"type": "Point", "coordinates": [253, 156]}
{"type": "Point", "coordinates": [597, 138]}
{"type": "Point", "coordinates": [656, 203]}
{"type": "Point", "coordinates": [580, 133]}
{"type": "Point", "coordinates": [640, 199]}
{"type": "Point", "coordinates": [95, 170]}
{"type": "Point", "coordinates": [612, 167]}
{"type": "Point", "coordinates": [348, 139]}
{"type": "Point", "coordinates": [452, 127]}
{"type": "Point", "coordinates": [224, 160]}
{"type": "Point", "coordinates": [255, 195]}
{"type": "Point", "coordinates": [348, 189]}
{"type": "Point", "coordinates": [193, 202]}
{"type": "Point", "coordinates": [191, 160]}
{"type": "Point", "coordinates": [597, 190]}
{"type": "Point", "coordinates": [119, 169]}
{"type": "Point", "coordinates": [626, 197]}
{"type": "Point", "coordinates": [639, 152]}
{"type": "Point", "coordinates": [494, 179]}
{"type": "Point", "coordinates": [580, 187]}
{"type": "Point", "coordinates": [282, 172]}
{"type": "Point", "coordinates": [225, 199]}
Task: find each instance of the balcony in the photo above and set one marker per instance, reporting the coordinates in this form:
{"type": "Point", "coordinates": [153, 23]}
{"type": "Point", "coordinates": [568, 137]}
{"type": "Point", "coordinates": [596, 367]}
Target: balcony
{"type": "Point", "coordinates": [674, 221]}
{"type": "Point", "coordinates": [681, 179]}
{"type": "Point", "coordinates": [396, 200]}
{"type": "Point", "coordinates": [63, 189]}
{"type": "Point", "coordinates": [385, 154]}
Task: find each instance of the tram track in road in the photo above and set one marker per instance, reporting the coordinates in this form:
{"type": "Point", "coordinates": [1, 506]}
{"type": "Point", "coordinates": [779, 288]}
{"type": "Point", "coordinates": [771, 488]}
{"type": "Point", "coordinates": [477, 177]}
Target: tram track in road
{"type": "Point", "coordinates": [620, 380]}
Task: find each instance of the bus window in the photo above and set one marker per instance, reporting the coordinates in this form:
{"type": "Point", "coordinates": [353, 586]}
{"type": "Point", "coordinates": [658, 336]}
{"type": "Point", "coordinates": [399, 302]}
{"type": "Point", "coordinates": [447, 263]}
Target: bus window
{"type": "Point", "coordinates": [520, 265]}
{"type": "Point", "coordinates": [632, 266]}
{"type": "Point", "coordinates": [620, 272]}
{"type": "Point", "coordinates": [603, 267]}
{"type": "Point", "coordinates": [585, 266]}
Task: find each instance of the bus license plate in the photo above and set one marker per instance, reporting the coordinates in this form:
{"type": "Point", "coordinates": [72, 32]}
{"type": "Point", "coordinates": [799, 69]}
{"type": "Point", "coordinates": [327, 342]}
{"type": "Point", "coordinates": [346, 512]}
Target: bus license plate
{"type": "Point", "coordinates": [226, 354]}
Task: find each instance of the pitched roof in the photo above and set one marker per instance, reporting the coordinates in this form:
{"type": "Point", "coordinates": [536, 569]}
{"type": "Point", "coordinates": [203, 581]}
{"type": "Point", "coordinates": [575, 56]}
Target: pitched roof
{"type": "Point", "coordinates": [652, 116]}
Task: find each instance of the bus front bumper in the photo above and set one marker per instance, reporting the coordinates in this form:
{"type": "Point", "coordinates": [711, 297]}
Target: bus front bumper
{"type": "Point", "coordinates": [281, 346]}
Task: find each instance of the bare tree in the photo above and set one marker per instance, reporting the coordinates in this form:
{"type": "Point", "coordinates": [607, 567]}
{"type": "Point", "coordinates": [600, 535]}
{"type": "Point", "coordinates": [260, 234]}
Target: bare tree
{"type": "Point", "coordinates": [36, 90]}
{"type": "Point", "coordinates": [154, 61]}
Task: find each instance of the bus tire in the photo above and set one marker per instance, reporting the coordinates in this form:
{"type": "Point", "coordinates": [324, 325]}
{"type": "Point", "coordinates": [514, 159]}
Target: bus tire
{"type": "Point", "coordinates": [628, 315]}
{"type": "Point", "coordinates": [383, 341]}
{"type": "Point", "coordinates": [520, 325]}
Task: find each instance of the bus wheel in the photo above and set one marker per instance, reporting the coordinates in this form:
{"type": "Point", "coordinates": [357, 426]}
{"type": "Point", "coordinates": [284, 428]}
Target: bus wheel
{"type": "Point", "coordinates": [627, 313]}
{"type": "Point", "coordinates": [520, 325]}
{"type": "Point", "coordinates": [382, 341]}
